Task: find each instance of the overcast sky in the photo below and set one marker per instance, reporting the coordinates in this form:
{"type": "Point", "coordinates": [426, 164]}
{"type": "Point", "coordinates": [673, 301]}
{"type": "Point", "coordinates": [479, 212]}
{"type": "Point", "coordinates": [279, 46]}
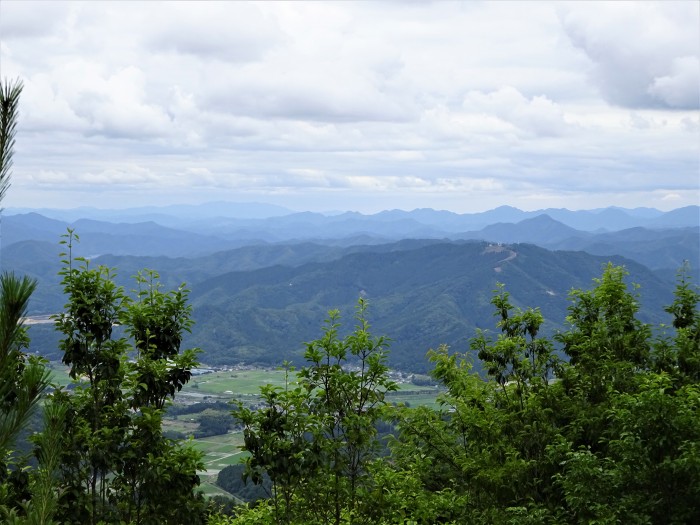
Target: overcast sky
{"type": "Point", "coordinates": [359, 106]}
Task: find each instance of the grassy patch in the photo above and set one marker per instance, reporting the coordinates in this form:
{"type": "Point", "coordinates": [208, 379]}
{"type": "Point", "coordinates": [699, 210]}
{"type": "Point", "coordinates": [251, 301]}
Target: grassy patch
{"type": "Point", "coordinates": [235, 382]}
{"type": "Point", "coordinates": [59, 374]}
{"type": "Point", "coordinates": [219, 452]}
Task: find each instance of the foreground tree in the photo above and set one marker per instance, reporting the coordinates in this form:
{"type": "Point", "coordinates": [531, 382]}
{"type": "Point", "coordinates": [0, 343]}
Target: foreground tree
{"type": "Point", "coordinates": [117, 466]}
{"type": "Point", "coordinates": [23, 379]}
{"type": "Point", "coordinates": [25, 496]}
{"type": "Point", "coordinates": [318, 435]}
{"type": "Point", "coordinates": [613, 439]}
{"type": "Point", "coordinates": [9, 111]}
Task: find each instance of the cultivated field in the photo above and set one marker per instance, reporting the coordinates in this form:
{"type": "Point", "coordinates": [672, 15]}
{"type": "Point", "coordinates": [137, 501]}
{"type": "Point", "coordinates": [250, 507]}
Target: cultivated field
{"type": "Point", "coordinates": [244, 385]}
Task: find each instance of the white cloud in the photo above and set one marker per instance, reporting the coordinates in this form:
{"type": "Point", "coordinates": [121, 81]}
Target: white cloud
{"type": "Point", "coordinates": [462, 103]}
{"type": "Point", "coordinates": [116, 106]}
{"type": "Point", "coordinates": [211, 30]}
{"type": "Point", "coordinates": [539, 115]}
{"type": "Point", "coordinates": [19, 19]}
{"type": "Point", "coordinates": [129, 174]}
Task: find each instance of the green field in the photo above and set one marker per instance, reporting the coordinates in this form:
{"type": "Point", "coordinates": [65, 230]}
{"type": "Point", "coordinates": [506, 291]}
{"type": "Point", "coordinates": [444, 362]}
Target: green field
{"type": "Point", "coordinates": [233, 384]}
{"type": "Point", "coordinates": [219, 452]}
{"type": "Point", "coordinates": [236, 383]}
{"type": "Point", "coordinates": [59, 374]}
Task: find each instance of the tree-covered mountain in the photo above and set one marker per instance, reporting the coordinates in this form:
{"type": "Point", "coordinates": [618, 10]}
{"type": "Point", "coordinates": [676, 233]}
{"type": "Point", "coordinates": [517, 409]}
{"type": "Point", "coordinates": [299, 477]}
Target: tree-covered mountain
{"type": "Point", "coordinates": [421, 295]}
{"type": "Point", "coordinates": [657, 249]}
{"type": "Point", "coordinates": [258, 301]}
{"type": "Point", "coordinates": [420, 298]}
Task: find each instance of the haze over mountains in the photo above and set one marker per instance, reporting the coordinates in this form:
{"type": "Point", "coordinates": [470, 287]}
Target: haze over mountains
{"type": "Point", "coordinates": [262, 281]}
{"type": "Point", "coordinates": [194, 230]}
{"type": "Point", "coordinates": [611, 218]}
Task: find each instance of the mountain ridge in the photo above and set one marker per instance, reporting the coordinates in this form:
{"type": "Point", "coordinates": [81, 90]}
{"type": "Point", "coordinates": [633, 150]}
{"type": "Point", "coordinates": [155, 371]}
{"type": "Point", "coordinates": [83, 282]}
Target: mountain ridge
{"type": "Point", "coordinates": [650, 241]}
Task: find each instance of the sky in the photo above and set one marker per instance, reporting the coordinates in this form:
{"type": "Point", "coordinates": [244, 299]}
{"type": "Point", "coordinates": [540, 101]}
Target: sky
{"type": "Point", "coordinates": [363, 106]}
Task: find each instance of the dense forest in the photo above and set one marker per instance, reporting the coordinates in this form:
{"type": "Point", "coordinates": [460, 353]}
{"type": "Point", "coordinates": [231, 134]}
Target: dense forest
{"type": "Point", "coordinates": [598, 422]}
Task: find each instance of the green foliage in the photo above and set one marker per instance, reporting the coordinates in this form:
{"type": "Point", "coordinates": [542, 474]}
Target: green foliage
{"type": "Point", "coordinates": [9, 106]}
{"type": "Point", "coordinates": [22, 381]}
{"type": "Point", "coordinates": [231, 480]}
{"type": "Point", "coordinates": [517, 357]}
{"type": "Point", "coordinates": [156, 322]}
{"type": "Point", "coordinates": [116, 465]}
{"type": "Point", "coordinates": [686, 321]}
{"type": "Point", "coordinates": [318, 436]}
{"type": "Point", "coordinates": [612, 439]}
{"type": "Point", "coordinates": [214, 424]}
{"type": "Point", "coordinates": [22, 377]}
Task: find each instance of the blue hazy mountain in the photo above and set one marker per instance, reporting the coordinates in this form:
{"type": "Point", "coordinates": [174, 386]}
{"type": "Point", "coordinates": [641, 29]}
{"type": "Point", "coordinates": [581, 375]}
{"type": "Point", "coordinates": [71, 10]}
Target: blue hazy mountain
{"type": "Point", "coordinates": [660, 240]}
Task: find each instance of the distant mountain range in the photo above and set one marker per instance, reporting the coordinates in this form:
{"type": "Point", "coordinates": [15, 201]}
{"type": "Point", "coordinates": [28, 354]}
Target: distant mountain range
{"type": "Point", "coordinates": [162, 214]}
{"type": "Point", "coordinates": [231, 216]}
{"type": "Point", "coordinates": [262, 286]}
{"type": "Point", "coordinates": [661, 241]}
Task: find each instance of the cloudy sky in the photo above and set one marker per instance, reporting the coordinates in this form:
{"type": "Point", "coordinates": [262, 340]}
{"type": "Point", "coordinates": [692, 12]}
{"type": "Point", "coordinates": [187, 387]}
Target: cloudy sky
{"type": "Point", "coordinates": [359, 106]}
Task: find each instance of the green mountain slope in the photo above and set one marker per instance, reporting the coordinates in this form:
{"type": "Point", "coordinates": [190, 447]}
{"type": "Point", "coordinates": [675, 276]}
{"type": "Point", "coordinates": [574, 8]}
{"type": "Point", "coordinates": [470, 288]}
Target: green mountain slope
{"type": "Point", "coordinates": [420, 298]}
{"type": "Point", "coordinates": [421, 293]}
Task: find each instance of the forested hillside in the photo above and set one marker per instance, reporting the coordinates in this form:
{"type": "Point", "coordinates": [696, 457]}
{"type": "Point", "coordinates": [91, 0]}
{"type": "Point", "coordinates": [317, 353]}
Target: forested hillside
{"type": "Point", "coordinates": [423, 293]}
{"type": "Point", "coordinates": [420, 297]}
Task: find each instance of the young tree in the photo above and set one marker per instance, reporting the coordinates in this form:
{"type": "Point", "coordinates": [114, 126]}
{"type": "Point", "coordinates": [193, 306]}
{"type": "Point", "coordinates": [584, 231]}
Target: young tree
{"type": "Point", "coordinates": [319, 437]}
{"type": "Point", "coordinates": [683, 360]}
{"type": "Point", "coordinates": [117, 465]}
{"type": "Point", "coordinates": [612, 439]}
{"type": "Point", "coordinates": [23, 379]}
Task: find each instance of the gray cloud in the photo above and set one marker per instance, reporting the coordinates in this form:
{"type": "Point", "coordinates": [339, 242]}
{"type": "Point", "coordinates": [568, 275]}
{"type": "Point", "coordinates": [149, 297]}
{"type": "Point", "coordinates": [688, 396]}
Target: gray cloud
{"type": "Point", "coordinates": [214, 31]}
{"type": "Point", "coordinates": [681, 87]}
{"type": "Point", "coordinates": [20, 19]}
{"type": "Point", "coordinates": [644, 54]}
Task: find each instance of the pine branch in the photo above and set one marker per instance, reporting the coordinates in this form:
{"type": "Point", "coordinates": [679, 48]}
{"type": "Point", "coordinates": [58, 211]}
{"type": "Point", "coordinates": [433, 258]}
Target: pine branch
{"type": "Point", "coordinates": [9, 102]}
